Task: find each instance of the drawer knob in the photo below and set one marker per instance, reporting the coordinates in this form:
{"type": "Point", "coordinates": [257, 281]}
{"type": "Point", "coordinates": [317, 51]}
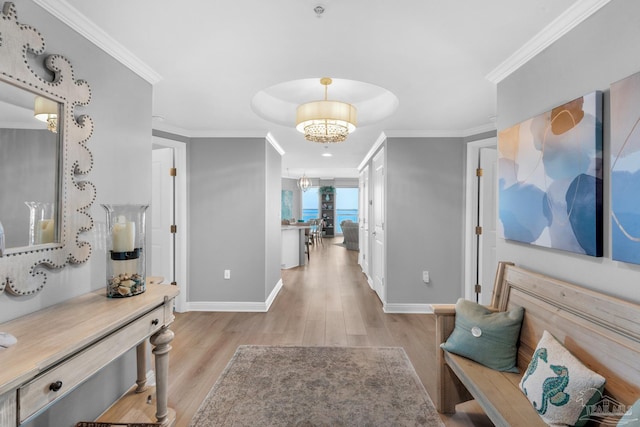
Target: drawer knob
{"type": "Point", "coordinates": [55, 386]}
{"type": "Point", "coordinates": [155, 322]}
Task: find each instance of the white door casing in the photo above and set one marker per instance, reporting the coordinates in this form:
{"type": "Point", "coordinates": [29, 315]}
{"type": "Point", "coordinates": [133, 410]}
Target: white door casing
{"type": "Point", "coordinates": [162, 200]}
{"type": "Point", "coordinates": [365, 197]}
{"type": "Point", "coordinates": [378, 251]}
{"type": "Point", "coordinates": [488, 204]}
{"type": "Point", "coordinates": [471, 254]}
{"type": "Point", "coordinates": [180, 217]}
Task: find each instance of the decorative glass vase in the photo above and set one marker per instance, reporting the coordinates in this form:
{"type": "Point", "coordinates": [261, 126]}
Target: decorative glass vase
{"type": "Point", "coordinates": [42, 223]}
{"type": "Point", "coordinates": [125, 243]}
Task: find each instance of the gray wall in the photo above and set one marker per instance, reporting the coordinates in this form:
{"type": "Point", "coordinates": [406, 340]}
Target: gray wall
{"type": "Point", "coordinates": [424, 219]}
{"type": "Point", "coordinates": [600, 51]}
{"type": "Point", "coordinates": [121, 110]}
{"type": "Point", "coordinates": [230, 182]}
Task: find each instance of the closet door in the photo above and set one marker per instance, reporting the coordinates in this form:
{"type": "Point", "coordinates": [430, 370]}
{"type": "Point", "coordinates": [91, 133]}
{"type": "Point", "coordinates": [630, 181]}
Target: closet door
{"type": "Point", "coordinates": [365, 206]}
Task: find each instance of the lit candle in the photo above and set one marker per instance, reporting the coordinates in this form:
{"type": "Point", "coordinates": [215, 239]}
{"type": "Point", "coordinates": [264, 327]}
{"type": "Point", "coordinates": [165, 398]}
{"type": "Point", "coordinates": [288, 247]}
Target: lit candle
{"type": "Point", "coordinates": [123, 235]}
{"type": "Point", "coordinates": [45, 231]}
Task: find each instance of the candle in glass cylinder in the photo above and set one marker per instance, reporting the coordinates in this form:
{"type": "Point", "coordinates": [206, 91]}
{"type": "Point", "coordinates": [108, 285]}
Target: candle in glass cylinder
{"type": "Point", "coordinates": [123, 235]}
{"type": "Point", "coordinates": [45, 231]}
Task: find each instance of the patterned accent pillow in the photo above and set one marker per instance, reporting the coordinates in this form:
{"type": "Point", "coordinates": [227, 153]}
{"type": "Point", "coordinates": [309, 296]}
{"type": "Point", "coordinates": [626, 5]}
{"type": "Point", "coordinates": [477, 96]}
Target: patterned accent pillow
{"type": "Point", "coordinates": [558, 385]}
{"type": "Point", "coordinates": [487, 337]}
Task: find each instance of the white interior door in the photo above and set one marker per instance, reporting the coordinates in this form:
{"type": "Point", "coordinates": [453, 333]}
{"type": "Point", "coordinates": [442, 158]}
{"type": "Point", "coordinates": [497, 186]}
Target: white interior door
{"type": "Point", "coordinates": [162, 208]}
{"type": "Point", "coordinates": [364, 222]}
{"type": "Point", "coordinates": [487, 262]}
{"type": "Point", "coordinates": [378, 256]}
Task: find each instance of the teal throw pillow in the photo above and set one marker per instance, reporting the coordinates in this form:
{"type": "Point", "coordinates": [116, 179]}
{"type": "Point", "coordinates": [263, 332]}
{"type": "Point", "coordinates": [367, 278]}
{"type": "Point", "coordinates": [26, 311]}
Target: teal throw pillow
{"type": "Point", "coordinates": [487, 337]}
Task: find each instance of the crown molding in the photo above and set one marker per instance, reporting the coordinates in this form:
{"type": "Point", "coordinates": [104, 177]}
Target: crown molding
{"type": "Point", "coordinates": [381, 139]}
{"type": "Point", "coordinates": [72, 17]}
{"type": "Point", "coordinates": [463, 133]}
{"type": "Point", "coordinates": [564, 23]}
{"type": "Point", "coordinates": [272, 140]}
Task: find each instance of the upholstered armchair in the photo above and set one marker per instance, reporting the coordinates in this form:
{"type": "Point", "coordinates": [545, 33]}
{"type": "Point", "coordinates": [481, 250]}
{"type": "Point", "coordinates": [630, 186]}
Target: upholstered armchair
{"type": "Point", "coordinates": [350, 231]}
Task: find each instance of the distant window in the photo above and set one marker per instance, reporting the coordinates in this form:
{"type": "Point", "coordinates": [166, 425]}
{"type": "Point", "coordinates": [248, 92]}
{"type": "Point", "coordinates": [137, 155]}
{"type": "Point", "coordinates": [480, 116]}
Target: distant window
{"type": "Point", "coordinates": [346, 206]}
{"type": "Point", "coordinates": [310, 203]}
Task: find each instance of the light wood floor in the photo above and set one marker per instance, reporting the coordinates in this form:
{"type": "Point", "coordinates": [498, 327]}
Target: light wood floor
{"type": "Point", "coordinates": [328, 303]}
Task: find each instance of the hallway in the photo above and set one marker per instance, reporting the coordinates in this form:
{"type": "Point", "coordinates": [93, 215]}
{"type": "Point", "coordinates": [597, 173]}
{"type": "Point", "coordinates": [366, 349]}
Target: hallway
{"type": "Point", "coordinates": [326, 303]}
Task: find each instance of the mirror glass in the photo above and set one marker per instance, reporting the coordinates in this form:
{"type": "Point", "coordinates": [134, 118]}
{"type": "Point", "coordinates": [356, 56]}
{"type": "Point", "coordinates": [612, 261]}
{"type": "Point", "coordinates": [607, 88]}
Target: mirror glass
{"type": "Point", "coordinates": [29, 167]}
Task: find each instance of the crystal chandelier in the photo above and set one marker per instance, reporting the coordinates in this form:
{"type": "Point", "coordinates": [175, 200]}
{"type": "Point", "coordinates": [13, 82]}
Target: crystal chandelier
{"type": "Point", "coordinates": [304, 183]}
{"type": "Point", "coordinates": [326, 121]}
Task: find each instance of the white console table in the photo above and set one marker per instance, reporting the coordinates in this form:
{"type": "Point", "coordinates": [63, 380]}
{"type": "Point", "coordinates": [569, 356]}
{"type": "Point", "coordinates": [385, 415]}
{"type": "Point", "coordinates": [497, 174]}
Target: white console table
{"type": "Point", "coordinates": [61, 346]}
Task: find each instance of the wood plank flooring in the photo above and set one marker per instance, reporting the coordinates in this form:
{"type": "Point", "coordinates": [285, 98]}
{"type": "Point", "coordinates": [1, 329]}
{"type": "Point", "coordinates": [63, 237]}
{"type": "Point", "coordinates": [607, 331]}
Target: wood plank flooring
{"type": "Point", "coordinates": [326, 303]}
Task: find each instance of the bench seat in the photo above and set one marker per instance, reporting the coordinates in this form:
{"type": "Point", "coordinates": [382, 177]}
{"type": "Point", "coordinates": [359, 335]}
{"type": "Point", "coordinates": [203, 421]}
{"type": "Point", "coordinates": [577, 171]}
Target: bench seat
{"type": "Point", "coordinates": [496, 392]}
{"type": "Point", "coordinates": [601, 331]}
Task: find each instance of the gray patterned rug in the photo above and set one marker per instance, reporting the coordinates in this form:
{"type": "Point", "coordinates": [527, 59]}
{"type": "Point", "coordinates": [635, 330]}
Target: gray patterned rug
{"type": "Point", "coordinates": [318, 386]}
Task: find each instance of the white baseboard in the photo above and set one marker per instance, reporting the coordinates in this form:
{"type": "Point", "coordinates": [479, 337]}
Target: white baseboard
{"type": "Point", "coordinates": [407, 308]}
{"type": "Point", "coordinates": [274, 294]}
{"type": "Point", "coordinates": [260, 307]}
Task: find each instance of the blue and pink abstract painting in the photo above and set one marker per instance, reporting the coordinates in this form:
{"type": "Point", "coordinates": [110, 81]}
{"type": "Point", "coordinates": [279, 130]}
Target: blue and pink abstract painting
{"type": "Point", "coordinates": [625, 170]}
{"type": "Point", "coordinates": [550, 178]}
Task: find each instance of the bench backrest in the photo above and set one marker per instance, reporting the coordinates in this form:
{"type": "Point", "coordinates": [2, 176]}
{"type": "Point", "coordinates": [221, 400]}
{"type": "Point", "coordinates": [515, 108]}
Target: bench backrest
{"type": "Point", "coordinates": [600, 330]}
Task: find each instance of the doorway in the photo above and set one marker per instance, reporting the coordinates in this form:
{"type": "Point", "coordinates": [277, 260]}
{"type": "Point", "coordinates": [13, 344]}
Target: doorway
{"type": "Point", "coordinates": [481, 220]}
{"type": "Point", "coordinates": [169, 208]}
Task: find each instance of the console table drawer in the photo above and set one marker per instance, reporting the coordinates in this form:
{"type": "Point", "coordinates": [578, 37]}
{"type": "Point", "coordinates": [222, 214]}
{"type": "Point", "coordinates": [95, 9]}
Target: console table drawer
{"type": "Point", "coordinates": [64, 377]}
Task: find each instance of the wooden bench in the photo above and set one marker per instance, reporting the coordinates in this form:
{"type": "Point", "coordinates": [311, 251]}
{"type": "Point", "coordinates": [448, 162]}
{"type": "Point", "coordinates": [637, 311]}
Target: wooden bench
{"type": "Point", "coordinates": [600, 330]}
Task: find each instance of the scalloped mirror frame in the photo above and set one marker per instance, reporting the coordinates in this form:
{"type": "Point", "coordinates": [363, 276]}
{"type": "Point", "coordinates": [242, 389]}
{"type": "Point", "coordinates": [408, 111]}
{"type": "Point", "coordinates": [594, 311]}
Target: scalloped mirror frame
{"type": "Point", "coordinates": [23, 271]}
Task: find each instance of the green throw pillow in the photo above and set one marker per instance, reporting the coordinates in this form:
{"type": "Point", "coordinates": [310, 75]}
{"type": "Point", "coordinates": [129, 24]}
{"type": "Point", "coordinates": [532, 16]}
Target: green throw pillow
{"type": "Point", "coordinates": [558, 385]}
{"type": "Point", "coordinates": [487, 337]}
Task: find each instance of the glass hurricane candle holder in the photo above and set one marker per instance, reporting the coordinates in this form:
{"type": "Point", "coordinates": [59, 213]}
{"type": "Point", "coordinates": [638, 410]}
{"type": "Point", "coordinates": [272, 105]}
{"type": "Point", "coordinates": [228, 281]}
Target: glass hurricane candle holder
{"type": "Point", "coordinates": [42, 225]}
{"type": "Point", "coordinates": [125, 243]}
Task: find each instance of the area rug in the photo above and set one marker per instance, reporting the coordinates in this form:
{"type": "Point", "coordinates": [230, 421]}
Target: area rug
{"type": "Point", "coordinates": [317, 386]}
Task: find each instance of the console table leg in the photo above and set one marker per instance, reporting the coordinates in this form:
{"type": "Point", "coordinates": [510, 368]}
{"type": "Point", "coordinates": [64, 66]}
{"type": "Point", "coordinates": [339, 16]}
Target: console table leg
{"type": "Point", "coordinates": [141, 363]}
{"type": "Point", "coordinates": [161, 341]}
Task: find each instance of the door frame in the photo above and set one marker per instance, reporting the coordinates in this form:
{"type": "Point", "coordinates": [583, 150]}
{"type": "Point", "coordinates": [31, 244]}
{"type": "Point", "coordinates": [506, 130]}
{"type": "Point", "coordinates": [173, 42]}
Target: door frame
{"type": "Point", "coordinates": [376, 263]}
{"type": "Point", "coordinates": [180, 203]}
{"type": "Point", "coordinates": [473, 153]}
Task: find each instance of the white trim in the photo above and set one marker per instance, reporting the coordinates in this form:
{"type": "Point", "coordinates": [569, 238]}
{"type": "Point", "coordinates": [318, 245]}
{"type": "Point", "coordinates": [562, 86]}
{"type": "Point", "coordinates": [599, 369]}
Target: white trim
{"type": "Point", "coordinates": [473, 150]}
{"type": "Point", "coordinates": [180, 160]}
{"type": "Point", "coordinates": [440, 133]}
{"type": "Point", "coordinates": [246, 307]}
{"type": "Point", "coordinates": [72, 17]}
{"type": "Point", "coordinates": [274, 293]}
{"type": "Point", "coordinates": [165, 127]}
{"type": "Point", "coordinates": [408, 308]}
{"type": "Point", "coordinates": [564, 23]}
{"type": "Point", "coordinates": [274, 143]}
{"type": "Point", "coordinates": [381, 139]}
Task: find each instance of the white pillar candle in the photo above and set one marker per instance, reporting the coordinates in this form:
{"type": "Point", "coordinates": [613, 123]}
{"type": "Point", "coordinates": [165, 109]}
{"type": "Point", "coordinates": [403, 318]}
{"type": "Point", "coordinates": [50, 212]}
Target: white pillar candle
{"type": "Point", "coordinates": [45, 231]}
{"type": "Point", "coordinates": [123, 235]}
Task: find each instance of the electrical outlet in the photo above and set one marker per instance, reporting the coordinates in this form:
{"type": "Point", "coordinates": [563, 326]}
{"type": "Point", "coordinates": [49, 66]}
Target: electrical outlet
{"type": "Point", "coordinates": [227, 274]}
{"type": "Point", "coordinates": [425, 276]}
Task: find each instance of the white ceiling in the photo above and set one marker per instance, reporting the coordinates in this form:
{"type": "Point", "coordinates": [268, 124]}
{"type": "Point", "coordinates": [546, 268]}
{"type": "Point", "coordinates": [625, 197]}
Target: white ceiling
{"type": "Point", "coordinates": [207, 60]}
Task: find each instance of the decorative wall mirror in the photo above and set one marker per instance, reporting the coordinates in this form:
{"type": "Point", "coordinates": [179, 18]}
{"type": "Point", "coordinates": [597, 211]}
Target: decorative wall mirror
{"type": "Point", "coordinates": [44, 196]}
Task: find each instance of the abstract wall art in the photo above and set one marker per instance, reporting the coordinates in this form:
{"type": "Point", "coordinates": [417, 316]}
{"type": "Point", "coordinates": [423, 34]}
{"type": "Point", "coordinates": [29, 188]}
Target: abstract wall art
{"type": "Point", "coordinates": [550, 178]}
{"type": "Point", "coordinates": [625, 170]}
{"type": "Point", "coordinates": [286, 208]}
